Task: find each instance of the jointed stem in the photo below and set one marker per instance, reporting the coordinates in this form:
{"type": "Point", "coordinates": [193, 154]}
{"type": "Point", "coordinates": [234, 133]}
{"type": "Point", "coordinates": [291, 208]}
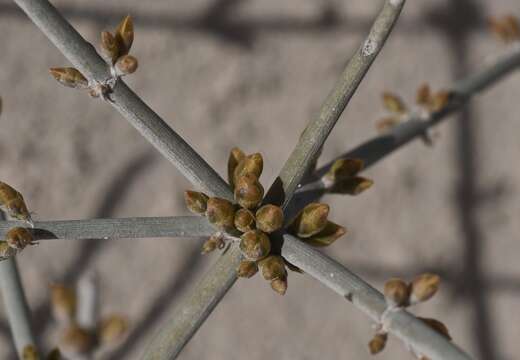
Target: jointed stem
{"type": "Point", "coordinates": [178, 226]}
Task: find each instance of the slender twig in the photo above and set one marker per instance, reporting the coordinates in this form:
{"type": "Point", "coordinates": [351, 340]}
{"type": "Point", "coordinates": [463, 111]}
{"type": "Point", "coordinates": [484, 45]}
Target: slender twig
{"type": "Point", "coordinates": [15, 304]}
{"type": "Point", "coordinates": [85, 58]}
{"type": "Point", "coordinates": [178, 226]}
{"type": "Point", "coordinates": [377, 148]}
{"type": "Point", "coordinates": [412, 332]}
{"type": "Point", "coordinates": [317, 131]}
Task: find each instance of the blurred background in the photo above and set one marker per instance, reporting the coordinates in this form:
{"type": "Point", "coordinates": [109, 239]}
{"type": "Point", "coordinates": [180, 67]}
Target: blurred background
{"type": "Point", "coordinates": [247, 73]}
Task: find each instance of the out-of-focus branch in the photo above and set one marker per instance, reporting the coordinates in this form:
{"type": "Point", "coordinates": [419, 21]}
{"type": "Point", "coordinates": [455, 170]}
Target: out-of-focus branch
{"type": "Point", "coordinates": [377, 148]}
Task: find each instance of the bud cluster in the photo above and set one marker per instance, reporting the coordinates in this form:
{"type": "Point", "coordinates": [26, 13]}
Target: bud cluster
{"type": "Point", "coordinates": [246, 218]}
{"type": "Point", "coordinates": [75, 339]}
{"type": "Point", "coordinates": [115, 50]}
{"type": "Point", "coordinates": [426, 104]}
{"type": "Point", "coordinates": [13, 205]}
{"type": "Point", "coordinates": [400, 294]}
{"type": "Point", "coordinates": [505, 28]}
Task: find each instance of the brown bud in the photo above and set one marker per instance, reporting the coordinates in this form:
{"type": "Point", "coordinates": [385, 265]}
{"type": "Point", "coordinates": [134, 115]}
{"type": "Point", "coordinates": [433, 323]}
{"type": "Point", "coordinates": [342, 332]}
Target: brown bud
{"type": "Point", "coordinates": [196, 202]}
{"type": "Point", "coordinates": [437, 326]}
{"type": "Point", "coordinates": [125, 35]}
{"type": "Point", "coordinates": [378, 343]}
{"type": "Point", "coordinates": [109, 47]}
{"type": "Point", "coordinates": [248, 191]}
{"type": "Point", "coordinates": [244, 220]}
{"type": "Point", "coordinates": [424, 96]}
{"type": "Point", "coordinates": [511, 23]}
{"type": "Point", "coordinates": [127, 64]}
{"type": "Point", "coordinates": [76, 340]}
{"type": "Point", "coordinates": [269, 218]}
{"type": "Point", "coordinates": [63, 300]}
{"type": "Point", "coordinates": [19, 237]}
{"type": "Point", "coordinates": [255, 245]}
{"type": "Point", "coordinates": [220, 212]}
{"type": "Point", "coordinates": [440, 100]}
{"type": "Point", "coordinates": [235, 156]}
{"type": "Point", "coordinates": [393, 103]}
{"type": "Point", "coordinates": [272, 267]}
{"type": "Point", "coordinates": [54, 354]}
{"type": "Point", "coordinates": [70, 77]}
{"type": "Point", "coordinates": [279, 285]}
{"type": "Point", "coordinates": [251, 164]}
{"type": "Point", "coordinates": [30, 352]}
{"type": "Point", "coordinates": [247, 269]}
{"type": "Point", "coordinates": [351, 186]}
{"type": "Point", "coordinates": [424, 287]}
{"type": "Point", "coordinates": [386, 124]}
{"type": "Point", "coordinates": [6, 251]}
{"type": "Point", "coordinates": [215, 241]}
{"type": "Point", "coordinates": [327, 236]}
{"type": "Point", "coordinates": [113, 328]}
{"type": "Point", "coordinates": [311, 220]}
{"type": "Point", "coordinates": [397, 292]}
{"type": "Point", "coordinates": [344, 168]}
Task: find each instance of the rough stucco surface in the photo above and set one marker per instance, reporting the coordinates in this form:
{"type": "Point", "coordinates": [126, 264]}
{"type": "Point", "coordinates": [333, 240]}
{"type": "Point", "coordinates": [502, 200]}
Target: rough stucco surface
{"type": "Point", "coordinates": [251, 74]}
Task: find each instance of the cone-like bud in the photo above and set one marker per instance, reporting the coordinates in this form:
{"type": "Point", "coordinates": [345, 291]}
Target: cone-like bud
{"type": "Point", "coordinates": [113, 328]}
{"type": "Point", "coordinates": [125, 35]}
{"type": "Point", "coordinates": [327, 236]}
{"type": "Point", "coordinates": [19, 237]}
{"type": "Point", "coordinates": [54, 354]}
{"type": "Point", "coordinates": [70, 77]}
{"type": "Point", "coordinates": [126, 64]}
{"type": "Point", "coordinates": [437, 326]}
{"type": "Point", "coordinates": [273, 267]}
{"type": "Point", "coordinates": [506, 28]}
{"type": "Point", "coordinates": [215, 241]}
{"type": "Point", "coordinates": [393, 103]}
{"type": "Point", "coordinates": [244, 220]}
{"type": "Point", "coordinates": [513, 27]}
{"type": "Point", "coordinates": [351, 186]}
{"type": "Point", "coordinates": [76, 340]}
{"type": "Point", "coordinates": [279, 285]}
{"type": "Point", "coordinates": [109, 47]}
{"type": "Point", "coordinates": [386, 124]}
{"type": "Point", "coordinates": [248, 191]}
{"type": "Point", "coordinates": [311, 220]}
{"type": "Point", "coordinates": [196, 202]}
{"type": "Point", "coordinates": [251, 164]}
{"type": "Point", "coordinates": [29, 352]}
{"type": "Point", "coordinates": [424, 95]}
{"type": "Point", "coordinates": [6, 251]}
{"type": "Point", "coordinates": [255, 245]}
{"type": "Point", "coordinates": [424, 287]}
{"type": "Point", "coordinates": [269, 218]}
{"type": "Point", "coordinates": [344, 168]}
{"type": "Point", "coordinates": [235, 156]}
{"type": "Point", "coordinates": [378, 343]}
{"type": "Point", "coordinates": [247, 269]}
{"type": "Point", "coordinates": [63, 301]}
{"type": "Point", "coordinates": [220, 212]}
{"type": "Point", "coordinates": [397, 292]}
{"type": "Point", "coordinates": [440, 100]}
